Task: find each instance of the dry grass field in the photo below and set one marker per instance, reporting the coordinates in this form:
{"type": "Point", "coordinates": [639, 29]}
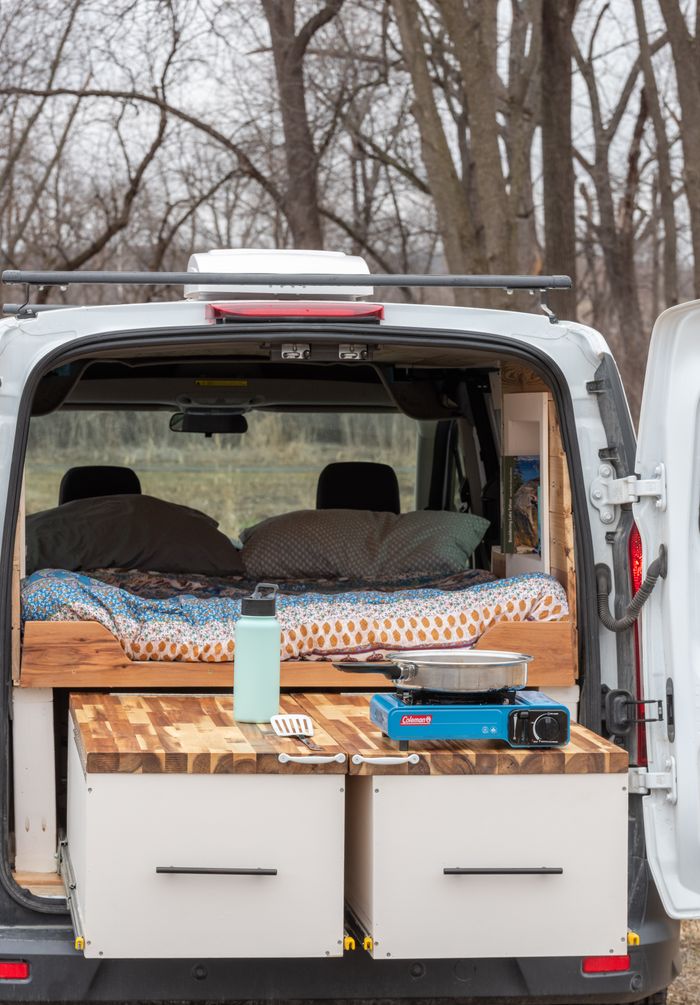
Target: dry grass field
{"type": "Point", "coordinates": [238, 480]}
{"type": "Point", "coordinates": [686, 990]}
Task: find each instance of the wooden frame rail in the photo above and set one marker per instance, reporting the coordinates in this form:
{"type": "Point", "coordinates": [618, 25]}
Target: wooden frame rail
{"type": "Point", "coordinates": [76, 654]}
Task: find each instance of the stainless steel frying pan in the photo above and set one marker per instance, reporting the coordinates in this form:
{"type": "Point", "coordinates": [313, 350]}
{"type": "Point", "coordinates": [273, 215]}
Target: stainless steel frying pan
{"type": "Point", "coordinates": [442, 670]}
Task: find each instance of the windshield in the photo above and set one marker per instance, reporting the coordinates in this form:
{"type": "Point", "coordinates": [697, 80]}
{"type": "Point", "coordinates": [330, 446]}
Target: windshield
{"type": "Point", "coordinates": [237, 479]}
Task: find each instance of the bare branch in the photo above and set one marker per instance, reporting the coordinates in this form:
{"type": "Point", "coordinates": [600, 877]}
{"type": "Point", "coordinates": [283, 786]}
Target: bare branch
{"type": "Point", "coordinates": [245, 162]}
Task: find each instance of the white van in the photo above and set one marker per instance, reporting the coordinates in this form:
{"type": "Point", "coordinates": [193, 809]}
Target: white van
{"type": "Point", "coordinates": [153, 852]}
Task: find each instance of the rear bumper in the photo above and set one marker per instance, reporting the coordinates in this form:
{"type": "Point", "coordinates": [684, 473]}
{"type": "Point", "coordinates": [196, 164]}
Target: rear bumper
{"type": "Point", "coordinates": [59, 973]}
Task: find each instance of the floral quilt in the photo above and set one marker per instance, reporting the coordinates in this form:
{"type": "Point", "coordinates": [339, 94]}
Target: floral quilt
{"type": "Point", "coordinates": [183, 622]}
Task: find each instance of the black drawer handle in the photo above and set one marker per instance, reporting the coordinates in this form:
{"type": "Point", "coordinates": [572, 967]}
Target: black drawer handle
{"type": "Point", "coordinates": [542, 871]}
{"type": "Point", "coordinates": [185, 870]}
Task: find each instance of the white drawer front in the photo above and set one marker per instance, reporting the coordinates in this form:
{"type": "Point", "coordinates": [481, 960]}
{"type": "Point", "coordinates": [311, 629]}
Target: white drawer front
{"type": "Point", "coordinates": [403, 832]}
{"type": "Point", "coordinates": [122, 827]}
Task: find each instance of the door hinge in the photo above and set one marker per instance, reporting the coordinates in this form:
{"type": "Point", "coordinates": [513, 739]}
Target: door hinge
{"type": "Point", "coordinates": [607, 491]}
{"type": "Point", "coordinates": [295, 350]}
{"type": "Point", "coordinates": [642, 782]}
{"type": "Point", "coordinates": [352, 350]}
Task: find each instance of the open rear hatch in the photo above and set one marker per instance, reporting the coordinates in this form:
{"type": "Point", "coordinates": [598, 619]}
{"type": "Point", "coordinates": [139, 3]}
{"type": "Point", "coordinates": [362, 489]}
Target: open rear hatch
{"type": "Point", "coordinates": [667, 512]}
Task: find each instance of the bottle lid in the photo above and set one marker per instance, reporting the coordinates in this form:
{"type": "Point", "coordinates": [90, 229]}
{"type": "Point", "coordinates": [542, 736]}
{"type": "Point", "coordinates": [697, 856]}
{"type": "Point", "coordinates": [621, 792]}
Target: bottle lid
{"type": "Point", "coordinates": [260, 604]}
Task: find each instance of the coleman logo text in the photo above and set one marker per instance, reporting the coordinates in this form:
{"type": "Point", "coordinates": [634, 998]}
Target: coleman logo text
{"type": "Point", "coordinates": [416, 720]}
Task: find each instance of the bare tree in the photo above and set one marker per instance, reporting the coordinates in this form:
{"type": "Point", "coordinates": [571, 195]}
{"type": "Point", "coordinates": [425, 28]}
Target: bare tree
{"type": "Point", "coordinates": [665, 186]}
{"type": "Point", "coordinates": [558, 179]}
{"type": "Point", "coordinates": [615, 228]}
{"type": "Point", "coordinates": [457, 226]}
{"type": "Point", "coordinates": [289, 47]}
{"type": "Point", "coordinates": [686, 56]}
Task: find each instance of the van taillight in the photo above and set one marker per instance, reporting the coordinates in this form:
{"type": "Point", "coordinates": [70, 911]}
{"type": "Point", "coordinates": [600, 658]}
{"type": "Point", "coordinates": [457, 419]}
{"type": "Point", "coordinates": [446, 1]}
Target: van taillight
{"type": "Point", "coordinates": [634, 548]}
{"type": "Point", "coordinates": [261, 310]}
{"type": "Point", "coordinates": [605, 964]}
{"type": "Point", "coordinates": [14, 970]}
{"type": "Point", "coordinates": [636, 560]}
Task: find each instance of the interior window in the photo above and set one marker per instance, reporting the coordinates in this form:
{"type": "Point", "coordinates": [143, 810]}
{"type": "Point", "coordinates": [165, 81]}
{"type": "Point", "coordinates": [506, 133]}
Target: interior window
{"type": "Point", "coordinates": [237, 479]}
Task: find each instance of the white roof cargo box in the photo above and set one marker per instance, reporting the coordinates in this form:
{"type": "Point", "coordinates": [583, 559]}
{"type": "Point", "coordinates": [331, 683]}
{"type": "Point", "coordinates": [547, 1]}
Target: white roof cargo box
{"type": "Point", "coordinates": [258, 262]}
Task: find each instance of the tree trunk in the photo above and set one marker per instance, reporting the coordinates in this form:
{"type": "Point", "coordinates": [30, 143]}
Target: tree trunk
{"type": "Point", "coordinates": [665, 185]}
{"type": "Point", "coordinates": [558, 182]}
{"type": "Point", "coordinates": [473, 31]}
{"type": "Point", "coordinates": [301, 194]}
{"type": "Point", "coordinates": [686, 57]}
{"type": "Point", "coordinates": [523, 100]}
{"type": "Point", "coordinates": [456, 227]}
{"type": "Point", "coordinates": [623, 279]}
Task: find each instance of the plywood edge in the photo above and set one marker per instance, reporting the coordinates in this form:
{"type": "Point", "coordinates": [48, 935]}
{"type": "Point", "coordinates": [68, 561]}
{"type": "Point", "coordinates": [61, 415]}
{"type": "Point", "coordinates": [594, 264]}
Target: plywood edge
{"type": "Point", "coordinates": [41, 884]}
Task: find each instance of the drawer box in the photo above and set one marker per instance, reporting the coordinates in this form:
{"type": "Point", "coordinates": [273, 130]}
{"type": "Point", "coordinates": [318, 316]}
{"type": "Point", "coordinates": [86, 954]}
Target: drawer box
{"type": "Point", "coordinates": [125, 825]}
{"type": "Point", "coordinates": [429, 860]}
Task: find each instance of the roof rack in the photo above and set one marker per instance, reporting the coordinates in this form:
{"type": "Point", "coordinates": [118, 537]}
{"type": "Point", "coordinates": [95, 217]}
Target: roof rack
{"type": "Point", "coordinates": [535, 284]}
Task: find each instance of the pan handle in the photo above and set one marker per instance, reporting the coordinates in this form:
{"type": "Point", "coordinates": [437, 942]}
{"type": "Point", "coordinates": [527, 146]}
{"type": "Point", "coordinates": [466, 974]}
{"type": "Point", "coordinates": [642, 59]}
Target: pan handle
{"type": "Point", "coordinates": [390, 670]}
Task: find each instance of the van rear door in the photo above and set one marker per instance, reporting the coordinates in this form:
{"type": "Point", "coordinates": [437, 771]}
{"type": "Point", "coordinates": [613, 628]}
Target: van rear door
{"type": "Point", "coordinates": [669, 450]}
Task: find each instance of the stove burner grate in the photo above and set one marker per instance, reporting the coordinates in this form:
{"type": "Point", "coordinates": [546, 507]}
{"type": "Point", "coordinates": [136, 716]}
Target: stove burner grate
{"type": "Point", "coordinates": [423, 696]}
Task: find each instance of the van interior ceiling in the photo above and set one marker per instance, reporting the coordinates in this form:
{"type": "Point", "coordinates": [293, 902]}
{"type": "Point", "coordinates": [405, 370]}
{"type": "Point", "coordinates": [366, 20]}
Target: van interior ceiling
{"type": "Point", "coordinates": [459, 431]}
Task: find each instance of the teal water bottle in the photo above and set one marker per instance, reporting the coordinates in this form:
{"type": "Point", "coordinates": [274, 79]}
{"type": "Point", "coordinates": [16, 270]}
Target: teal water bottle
{"type": "Point", "coordinates": [256, 677]}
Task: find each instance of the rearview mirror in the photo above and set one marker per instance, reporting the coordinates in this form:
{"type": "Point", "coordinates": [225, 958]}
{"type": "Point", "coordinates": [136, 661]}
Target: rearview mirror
{"type": "Point", "coordinates": [208, 422]}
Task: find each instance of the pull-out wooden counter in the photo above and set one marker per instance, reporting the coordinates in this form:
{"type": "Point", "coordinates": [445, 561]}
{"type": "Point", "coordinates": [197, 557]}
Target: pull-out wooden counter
{"type": "Point", "coordinates": [188, 734]}
{"type": "Point", "coordinates": [477, 850]}
{"type": "Point", "coordinates": [346, 718]}
{"type": "Point", "coordinates": [190, 834]}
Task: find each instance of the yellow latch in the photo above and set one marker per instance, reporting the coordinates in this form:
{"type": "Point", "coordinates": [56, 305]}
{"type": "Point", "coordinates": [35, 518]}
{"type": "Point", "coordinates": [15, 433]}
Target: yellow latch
{"type": "Point", "coordinates": [348, 943]}
{"type": "Point", "coordinates": [632, 939]}
{"type": "Point", "coordinates": [79, 943]}
{"type": "Point", "coordinates": [368, 943]}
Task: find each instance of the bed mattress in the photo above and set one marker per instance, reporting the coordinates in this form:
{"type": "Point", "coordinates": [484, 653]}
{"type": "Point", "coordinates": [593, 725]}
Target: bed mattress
{"type": "Point", "coordinates": [167, 618]}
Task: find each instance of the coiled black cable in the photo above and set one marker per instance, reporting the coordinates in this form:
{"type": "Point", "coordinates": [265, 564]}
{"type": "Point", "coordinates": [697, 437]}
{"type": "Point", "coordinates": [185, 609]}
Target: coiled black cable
{"type": "Point", "coordinates": [656, 571]}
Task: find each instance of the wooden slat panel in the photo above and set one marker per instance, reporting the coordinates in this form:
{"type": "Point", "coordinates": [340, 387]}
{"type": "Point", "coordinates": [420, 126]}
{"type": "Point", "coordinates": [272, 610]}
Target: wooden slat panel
{"type": "Point", "coordinates": [558, 483]}
{"type": "Point", "coordinates": [346, 717]}
{"type": "Point", "coordinates": [18, 573]}
{"type": "Point", "coordinates": [74, 654]}
{"type": "Point", "coordinates": [561, 521]}
{"type": "Point", "coordinates": [549, 642]}
{"type": "Point", "coordinates": [517, 378]}
{"type": "Point", "coordinates": [560, 541]}
{"type": "Point", "coordinates": [185, 734]}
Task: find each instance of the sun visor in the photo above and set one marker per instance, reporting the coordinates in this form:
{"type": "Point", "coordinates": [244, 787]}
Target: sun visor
{"type": "Point", "coordinates": [53, 389]}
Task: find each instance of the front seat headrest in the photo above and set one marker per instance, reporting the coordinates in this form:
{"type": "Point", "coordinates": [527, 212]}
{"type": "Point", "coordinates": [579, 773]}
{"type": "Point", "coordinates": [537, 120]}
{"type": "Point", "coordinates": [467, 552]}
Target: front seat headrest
{"type": "Point", "coordinates": [358, 485]}
{"type": "Point", "coordinates": [97, 480]}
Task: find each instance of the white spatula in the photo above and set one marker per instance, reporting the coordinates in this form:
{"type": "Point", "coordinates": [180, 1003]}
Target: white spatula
{"type": "Point", "coordinates": [300, 727]}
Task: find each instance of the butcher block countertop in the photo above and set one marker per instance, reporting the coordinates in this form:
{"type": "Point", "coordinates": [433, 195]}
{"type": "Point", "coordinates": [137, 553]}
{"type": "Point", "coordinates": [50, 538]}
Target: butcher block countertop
{"type": "Point", "coordinates": [346, 718]}
{"type": "Point", "coordinates": [196, 734]}
{"type": "Point", "coordinates": [186, 734]}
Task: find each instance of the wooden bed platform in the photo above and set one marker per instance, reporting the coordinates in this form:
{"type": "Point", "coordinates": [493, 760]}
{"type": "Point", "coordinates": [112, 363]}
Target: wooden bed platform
{"type": "Point", "coordinates": [77, 654]}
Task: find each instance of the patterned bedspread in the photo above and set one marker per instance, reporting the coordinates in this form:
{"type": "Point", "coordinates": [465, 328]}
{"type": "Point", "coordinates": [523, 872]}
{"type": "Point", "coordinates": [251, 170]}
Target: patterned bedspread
{"type": "Point", "coordinates": [164, 618]}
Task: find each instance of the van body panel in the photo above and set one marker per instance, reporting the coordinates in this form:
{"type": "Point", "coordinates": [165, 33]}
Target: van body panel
{"type": "Point", "coordinates": [59, 973]}
{"type": "Point", "coordinates": [575, 353]}
{"type": "Point", "coordinates": [669, 435]}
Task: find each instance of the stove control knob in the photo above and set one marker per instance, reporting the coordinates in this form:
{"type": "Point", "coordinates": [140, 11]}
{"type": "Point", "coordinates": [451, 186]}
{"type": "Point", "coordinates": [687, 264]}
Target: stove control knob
{"type": "Point", "coordinates": [546, 729]}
